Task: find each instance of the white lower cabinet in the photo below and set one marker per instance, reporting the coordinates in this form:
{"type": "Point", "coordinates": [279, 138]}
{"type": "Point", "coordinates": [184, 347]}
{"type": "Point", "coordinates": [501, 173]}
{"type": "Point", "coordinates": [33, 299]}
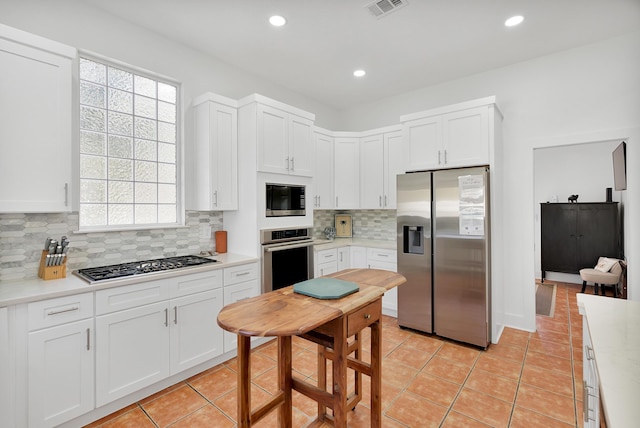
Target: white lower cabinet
{"type": "Point", "coordinates": [7, 383]}
{"type": "Point", "coordinates": [132, 350]}
{"type": "Point", "coordinates": [195, 335]}
{"type": "Point", "coordinates": [358, 257]}
{"type": "Point", "coordinates": [326, 262]}
{"type": "Point", "coordinates": [386, 260]}
{"type": "Point", "coordinates": [60, 359]}
{"type": "Point", "coordinates": [591, 383]}
{"type": "Point", "coordinates": [344, 259]}
{"type": "Point", "coordinates": [241, 282]}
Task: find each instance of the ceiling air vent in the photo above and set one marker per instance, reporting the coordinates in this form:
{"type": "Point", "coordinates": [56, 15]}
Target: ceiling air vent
{"type": "Point", "coordinates": [382, 8]}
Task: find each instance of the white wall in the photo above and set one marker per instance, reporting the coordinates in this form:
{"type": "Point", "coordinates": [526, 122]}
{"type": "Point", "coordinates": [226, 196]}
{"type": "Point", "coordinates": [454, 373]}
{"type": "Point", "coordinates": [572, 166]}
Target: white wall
{"type": "Point", "coordinates": [582, 169]}
{"type": "Point", "coordinates": [582, 95]}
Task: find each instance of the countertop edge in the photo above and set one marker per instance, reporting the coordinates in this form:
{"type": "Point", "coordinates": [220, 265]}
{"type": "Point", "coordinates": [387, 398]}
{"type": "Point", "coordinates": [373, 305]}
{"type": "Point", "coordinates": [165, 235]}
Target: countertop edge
{"type": "Point", "coordinates": [325, 244]}
{"type": "Point", "coordinates": [31, 290]}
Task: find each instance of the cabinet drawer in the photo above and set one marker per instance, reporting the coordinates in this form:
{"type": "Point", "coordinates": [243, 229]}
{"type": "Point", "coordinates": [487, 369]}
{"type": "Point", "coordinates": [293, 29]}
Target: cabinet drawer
{"type": "Point", "coordinates": [363, 317]}
{"type": "Point", "coordinates": [326, 256]}
{"type": "Point", "coordinates": [242, 273]}
{"type": "Point", "coordinates": [327, 268]}
{"type": "Point", "coordinates": [381, 255]}
{"type": "Point", "coordinates": [195, 283]}
{"type": "Point", "coordinates": [130, 296]}
{"type": "Point", "coordinates": [52, 312]}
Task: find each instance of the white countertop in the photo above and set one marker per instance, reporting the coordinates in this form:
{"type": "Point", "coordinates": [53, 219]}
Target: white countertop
{"type": "Point", "coordinates": [325, 244]}
{"type": "Point", "coordinates": [614, 327]}
{"type": "Point", "coordinates": [30, 290]}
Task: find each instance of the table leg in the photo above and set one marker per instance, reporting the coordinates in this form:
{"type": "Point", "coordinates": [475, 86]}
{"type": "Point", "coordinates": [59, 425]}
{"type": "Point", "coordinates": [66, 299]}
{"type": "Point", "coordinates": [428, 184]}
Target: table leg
{"type": "Point", "coordinates": [244, 381]}
{"type": "Point", "coordinates": [376, 375]}
{"type": "Point", "coordinates": [322, 380]}
{"type": "Point", "coordinates": [340, 347]}
{"type": "Point", "coordinates": [285, 412]}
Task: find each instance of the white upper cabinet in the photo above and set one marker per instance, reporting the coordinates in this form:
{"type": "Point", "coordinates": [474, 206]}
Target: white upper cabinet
{"type": "Point", "coordinates": [285, 141]}
{"type": "Point", "coordinates": [214, 154]}
{"type": "Point", "coordinates": [36, 105]}
{"type": "Point", "coordinates": [323, 175]}
{"type": "Point", "coordinates": [347, 172]}
{"type": "Point", "coordinates": [380, 161]}
{"type": "Point", "coordinates": [449, 137]}
{"type": "Point", "coordinates": [393, 165]}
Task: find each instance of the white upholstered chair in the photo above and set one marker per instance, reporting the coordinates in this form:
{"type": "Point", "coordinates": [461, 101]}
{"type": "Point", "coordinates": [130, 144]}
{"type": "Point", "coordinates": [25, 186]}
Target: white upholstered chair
{"type": "Point", "coordinates": [608, 271]}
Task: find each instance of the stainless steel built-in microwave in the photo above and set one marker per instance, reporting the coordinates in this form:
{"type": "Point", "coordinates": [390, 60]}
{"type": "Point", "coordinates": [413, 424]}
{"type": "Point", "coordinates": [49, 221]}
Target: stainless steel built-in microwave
{"type": "Point", "coordinates": [285, 200]}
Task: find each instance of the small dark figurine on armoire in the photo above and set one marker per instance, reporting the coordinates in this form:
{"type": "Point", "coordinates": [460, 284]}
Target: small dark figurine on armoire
{"type": "Point", "coordinates": [574, 235]}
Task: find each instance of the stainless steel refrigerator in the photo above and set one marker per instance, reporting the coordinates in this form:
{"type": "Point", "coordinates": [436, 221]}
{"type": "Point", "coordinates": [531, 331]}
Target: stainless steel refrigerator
{"type": "Point", "coordinates": [443, 251]}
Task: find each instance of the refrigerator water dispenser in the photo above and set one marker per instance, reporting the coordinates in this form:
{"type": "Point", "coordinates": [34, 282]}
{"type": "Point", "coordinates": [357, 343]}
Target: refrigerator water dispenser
{"type": "Point", "coordinates": [413, 240]}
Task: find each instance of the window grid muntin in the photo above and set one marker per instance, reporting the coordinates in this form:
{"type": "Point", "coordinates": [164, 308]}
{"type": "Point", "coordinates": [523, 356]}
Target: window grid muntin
{"type": "Point", "coordinates": [165, 208]}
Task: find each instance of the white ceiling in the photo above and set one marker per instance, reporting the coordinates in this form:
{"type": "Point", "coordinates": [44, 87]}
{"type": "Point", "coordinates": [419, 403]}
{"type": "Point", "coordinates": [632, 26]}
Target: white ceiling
{"type": "Point", "coordinates": [423, 44]}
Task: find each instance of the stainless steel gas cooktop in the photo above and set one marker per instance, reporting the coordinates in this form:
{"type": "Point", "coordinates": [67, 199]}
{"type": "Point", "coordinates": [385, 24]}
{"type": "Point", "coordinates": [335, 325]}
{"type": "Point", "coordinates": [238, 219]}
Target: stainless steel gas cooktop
{"type": "Point", "coordinates": [122, 270]}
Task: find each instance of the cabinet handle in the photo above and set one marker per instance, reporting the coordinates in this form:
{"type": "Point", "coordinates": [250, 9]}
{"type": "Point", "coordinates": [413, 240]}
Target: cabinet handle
{"type": "Point", "coordinates": [341, 257]}
{"type": "Point", "coordinates": [438, 157]}
{"type": "Point", "coordinates": [246, 272]}
{"type": "Point", "coordinates": [367, 316]}
{"type": "Point", "coordinates": [318, 201]}
{"type": "Point", "coordinates": [380, 201]}
{"type": "Point", "coordinates": [166, 317]}
{"type": "Point", "coordinates": [382, 255]}
{"type": "Point", "coordinates": [287, 161]}
{"type": "Point", "coordinates": [385, 200]}
{"type": "Point", "coordinates": [66, 194]}
{"type": "Point", "coordinates": [62, 311]}
{"type": "Point", "coordinates": [585, 401]}
{"type": "Point", "coordinates": [175, 315]}
{"type": "Point", "coordinates": [215, 195]}
{"type": "Point", "coordinates": [589, 352]}
{"type": "Point", "coordinates": [445, 157]}
{"type": "Point", "coordinates": [88, 339]}
{"type": "Point", "coordinates": [321, 271]}
{"type": "Point", "coordinates": [292, 164]}
{"type": "Point", "coordinates": [336, 202]}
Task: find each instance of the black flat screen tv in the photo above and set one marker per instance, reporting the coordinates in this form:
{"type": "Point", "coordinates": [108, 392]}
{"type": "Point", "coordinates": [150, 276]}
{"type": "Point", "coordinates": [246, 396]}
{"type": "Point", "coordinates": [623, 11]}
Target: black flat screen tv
{"type": "Point", "coordinates": [620, 167]}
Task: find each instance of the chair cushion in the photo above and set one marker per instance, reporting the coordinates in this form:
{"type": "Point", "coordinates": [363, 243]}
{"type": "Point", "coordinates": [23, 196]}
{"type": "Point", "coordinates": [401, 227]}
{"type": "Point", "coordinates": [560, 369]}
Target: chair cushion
{"type": "Point", "coordinates": [605, 264]}
{"type": "Point", "coordinates": [598, 277]}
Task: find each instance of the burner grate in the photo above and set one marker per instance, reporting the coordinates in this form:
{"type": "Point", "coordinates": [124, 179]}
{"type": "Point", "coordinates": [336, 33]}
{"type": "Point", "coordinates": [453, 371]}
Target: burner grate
{"type": "Point", "coordinates": [136, 268]}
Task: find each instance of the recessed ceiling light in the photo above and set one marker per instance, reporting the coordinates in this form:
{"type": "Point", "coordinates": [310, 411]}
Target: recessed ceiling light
{"type": "Point", "coordinates": [513, 21]}
{"type": "Point", "coordinates": [277, 21]}
{"type": "Point", "coordinates": [359, 73]}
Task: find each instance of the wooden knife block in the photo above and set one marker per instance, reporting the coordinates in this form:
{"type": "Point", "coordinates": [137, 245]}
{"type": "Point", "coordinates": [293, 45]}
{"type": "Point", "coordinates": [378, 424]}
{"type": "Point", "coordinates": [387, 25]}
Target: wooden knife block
{"type": "Point", "coordinates": [52, 272]}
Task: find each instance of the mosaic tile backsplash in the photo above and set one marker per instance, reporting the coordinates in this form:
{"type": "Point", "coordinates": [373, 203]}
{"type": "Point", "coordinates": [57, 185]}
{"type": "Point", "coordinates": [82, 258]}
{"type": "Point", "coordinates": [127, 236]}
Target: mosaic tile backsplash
{"type": "Point", "coordinates": [22, 239]}
{"type": "Point", "coordinates": [366, 224]}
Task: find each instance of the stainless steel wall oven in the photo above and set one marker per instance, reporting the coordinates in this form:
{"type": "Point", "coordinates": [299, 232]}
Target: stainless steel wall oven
{"type": "Point", "coordinates": [287, 257]}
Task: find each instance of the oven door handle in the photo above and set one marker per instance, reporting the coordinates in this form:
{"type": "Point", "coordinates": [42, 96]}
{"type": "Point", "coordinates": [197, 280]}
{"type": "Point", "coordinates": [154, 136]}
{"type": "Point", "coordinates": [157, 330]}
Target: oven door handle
{"type": "Point", "coordinates": [283, 247]}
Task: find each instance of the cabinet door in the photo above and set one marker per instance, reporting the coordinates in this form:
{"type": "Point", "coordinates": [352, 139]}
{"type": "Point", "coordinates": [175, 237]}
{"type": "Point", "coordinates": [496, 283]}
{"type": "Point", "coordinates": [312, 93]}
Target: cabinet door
{"type": "Point", "coordinates": [393, 165]}
{"type": "Point", "coordinates": [323, 173]}
{"type": "Point", "coordinates": [372, 172]}
{"type": "Point", "coordinates": [235, 293]}
{"type": "Point", "coordinates": [36, 132]}
{"type": "Point", "coordinates": [344, 261]}
{"type": "Point", "coordinates": [598, 233]}
{"type": "Point", "coordinates": [558, 241]}
{"type": "Point", "coordinates": [273, 148]}
{"type": "Point", "coordinates": [224, 162]}
{"type": "Point", "coordinates": [358, 256]}
{"type": "Point", "coordinates": [61, 369]}
{"type": "Point", "coordinates": [347, 173]}
{"type": "Point", "coordinates": [423, 139]}
{"type": "Point", "coordinates": [466, 137]}
{"type": "Point", "coordinates": [300, 146]}
{"type": "Point", "coordinates": [195, 335]}
{"type": "Point", "coordinates": [132, 350]}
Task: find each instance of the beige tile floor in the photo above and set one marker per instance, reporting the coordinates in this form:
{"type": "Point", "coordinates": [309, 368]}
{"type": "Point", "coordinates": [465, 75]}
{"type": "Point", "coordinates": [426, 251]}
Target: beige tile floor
{"type": "Point", "coordinates": [527, 380]}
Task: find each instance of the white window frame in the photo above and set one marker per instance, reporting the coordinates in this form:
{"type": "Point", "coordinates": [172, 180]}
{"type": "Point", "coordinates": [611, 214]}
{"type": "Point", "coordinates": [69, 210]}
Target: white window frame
{"type": "Point", "coordinates": [180, 210]}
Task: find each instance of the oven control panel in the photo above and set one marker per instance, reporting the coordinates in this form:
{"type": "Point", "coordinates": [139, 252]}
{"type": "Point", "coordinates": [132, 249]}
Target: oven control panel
{"type": "Point", "coordinates": [280, 235]}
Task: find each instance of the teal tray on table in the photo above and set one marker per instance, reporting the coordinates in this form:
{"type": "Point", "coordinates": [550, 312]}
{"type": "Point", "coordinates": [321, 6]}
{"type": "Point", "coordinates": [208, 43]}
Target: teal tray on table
{"type": "Point", "coordinates": [325, 288]}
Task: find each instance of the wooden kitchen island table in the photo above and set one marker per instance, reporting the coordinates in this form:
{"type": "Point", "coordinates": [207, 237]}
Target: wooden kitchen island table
{"type": "Point", "coordinates": [329, 323]}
